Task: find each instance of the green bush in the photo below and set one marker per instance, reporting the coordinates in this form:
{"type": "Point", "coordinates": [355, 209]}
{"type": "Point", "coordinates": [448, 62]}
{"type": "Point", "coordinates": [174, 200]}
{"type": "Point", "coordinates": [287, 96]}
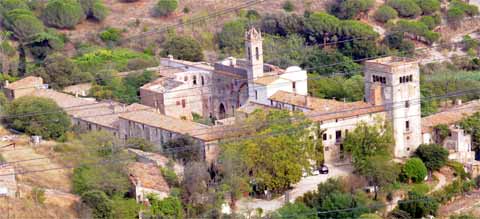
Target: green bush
{"type": "Point", "coordinates": [165, 7]}
{"type": "Point", "coordinates": [431, 21]}
{"type": "Point", "coordinates": [116, 59]}
{"type": "Point", "coordinates": [385, 13]}
{"type": "Point", "coordinates": [288, 6]}
{"type": "Point", "coordinates": [170, 207]}
{"type": "Point", "coordinates": [23, 24]}
{"type": "Point", "coordinates": [184, 48]}
{"type": "Point", "coordinates": [414, 170]}
{"type": "Point", "coordinates": [94, 9]}
{"type": "Point", "coordinates": [418, 205]}
{"type": "Point", "coordinates": [37, 121]}
{"type": "Point", "coordinates": [111, 34]}
{"type": "Point", "coordinates": [170, 176]}
{"type": "Point", "coordinates": [456, 188]}
{"type": "Point", "coordinates": [433, 156]}
{"type": "Point", "coordinates": [429, 6]}
{"type": "Point", "coordinates": [350, 9]}
{"type": "Point", "coordinates": [140, 143]}
{"type": "Point", "coordinates": [100, 203]}
{"type": "Point", "coordinates": [405, 8]}
{"type": "Point", "coordinates": [63, 13]}
{"type": "Point", "coordinates": [38, 195]}
{"type": "Point", "coordinates": [8, 5]}
{"type": "Point", "coordinates": [60, 71]}
{"type": "Point", "coordinates": [231, 38]}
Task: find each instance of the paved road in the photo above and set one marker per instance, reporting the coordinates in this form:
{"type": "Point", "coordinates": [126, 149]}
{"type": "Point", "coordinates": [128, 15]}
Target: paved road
{"type": "Point", "coordinates": [306, 184]}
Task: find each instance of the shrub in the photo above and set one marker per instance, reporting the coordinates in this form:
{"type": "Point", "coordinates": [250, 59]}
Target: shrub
{"type": "Point", "coordinates": [111, 34]}
{"type": "Point", "coordinates": [349, 9]}
{"type": "Point", "coordinates": [429, 6]}
{"type": "Point", "coordinates": [165, 7]}
{"type": "Point", "coordinates": [419, 206]}
{"type": "Point", "coordinates": [60, 71]}
{"type": "Point", "coordinates": [433, 156]}
{"type": "Point", "coordinates": [63, 13]}
{"type": "Point", "coordinates": [23, 24]}
{"type": "Point", "coordinates": [170, 207]}
{"type": "Point", "coordinates": [38, 195]}
{"type": "Point", "coordinates": [100, 203]}
{"type": "Point", "coordinates": [231, 37]}
{"type": "Point", "coordinates": [140, 143]}
{"type": "Point", "coordinates": [288, 6]}
{"type": "Point", "coordinates": [183, 47]}
{"type": "Point", "coordinates": [37, 122]}
{"type": "Point", "coordinates": [431, 21]}
{"type": "Point", "coordinates": [8, 5]}
{"type": "Point", "coordinates": [170, 176]}
{"type": "Point", "coordinates": [94, 9]}
{"type": "Point", "coordinates": [414, 170]}
{"type": "Point", "coordinates": [405, 8]}
{"type": "Point", "coordinates": [104, 58]}
{"type": "Point", "coordinates": [385, 13]}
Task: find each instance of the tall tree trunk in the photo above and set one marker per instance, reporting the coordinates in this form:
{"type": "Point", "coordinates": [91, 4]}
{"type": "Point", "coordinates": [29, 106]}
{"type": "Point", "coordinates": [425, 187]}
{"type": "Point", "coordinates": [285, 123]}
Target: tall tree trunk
{"type": "Point", "coordinates": [22, 60]}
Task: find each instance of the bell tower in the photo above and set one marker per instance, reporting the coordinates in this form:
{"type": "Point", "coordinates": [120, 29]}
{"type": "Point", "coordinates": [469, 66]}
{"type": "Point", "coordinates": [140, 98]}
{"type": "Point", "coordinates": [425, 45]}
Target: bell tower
{"type": "Point", "coordinates": [254, 54]}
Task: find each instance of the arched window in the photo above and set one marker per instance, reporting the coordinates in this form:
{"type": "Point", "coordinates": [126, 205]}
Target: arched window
{"type": "Point", "coordinates": [257, 54]}
{"type": "Point", "coordinates": [249, 54]}
{"type": "Point", "coordinates": [194, 80]}
{"type": "Point", "coordinates": [203, 80]}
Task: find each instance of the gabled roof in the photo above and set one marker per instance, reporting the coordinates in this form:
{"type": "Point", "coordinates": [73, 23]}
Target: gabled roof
{"type": "Point", "coordinates": [27, 82]}
{"type": "Point", "coordinates": [148, 175]}
{"type": "Point", "coordinates": [450, 116]}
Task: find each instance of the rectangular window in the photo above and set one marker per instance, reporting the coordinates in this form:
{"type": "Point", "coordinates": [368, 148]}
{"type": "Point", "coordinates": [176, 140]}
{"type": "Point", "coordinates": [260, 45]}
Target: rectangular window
{"type": "Point", "coordinates": [324, 136]}
{"type": "Point", "coordinates": [256, 95]}
{"type": "Point", "coordinates": [338, 135]}
{"type": "Point", "coordinates": [407, 125]}
{"type": "Point", "coordinates": [293, 85]}
{"type": "Point", "coordinates": [257, 54]}
{"type": "Point", "coordinates": [183, 103]}
{"type": "Point", "coordinates": [410, 78]}
{"type": "Point", "coordinates": [249, 54]}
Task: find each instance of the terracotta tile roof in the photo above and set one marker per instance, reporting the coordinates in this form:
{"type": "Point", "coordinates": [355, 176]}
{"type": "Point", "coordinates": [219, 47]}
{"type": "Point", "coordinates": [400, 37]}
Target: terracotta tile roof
{"type": "Point", "coordinates": [250, 107]}
{"type": "Point", "coordinates": [27, 82]}
{"type": "Point", "coordinates": [162, 84]}
{"type": "Point", "coordinates": [324, 109]}
{"type": "Point", "coordinates": [148, 175]}
{"type": "Point", "coordinates": [63, 100]}
{"type": "Point", "coordinates": [450, 116]}
{"type": "Point", "coordinates": [196, 130]}
{"type": "Point", "coordinates": [266, 80]}
{"type": "Point", "coordinates": [107, 114]}
{"type": "Point", "coordinates": [156, 159]}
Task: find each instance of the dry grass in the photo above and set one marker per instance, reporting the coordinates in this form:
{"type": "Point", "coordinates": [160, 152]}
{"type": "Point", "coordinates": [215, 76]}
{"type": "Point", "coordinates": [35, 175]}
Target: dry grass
{"type": "Point", "coordinates": [27, 208]}
{"type": "Point", "coordinates": [53, 179]}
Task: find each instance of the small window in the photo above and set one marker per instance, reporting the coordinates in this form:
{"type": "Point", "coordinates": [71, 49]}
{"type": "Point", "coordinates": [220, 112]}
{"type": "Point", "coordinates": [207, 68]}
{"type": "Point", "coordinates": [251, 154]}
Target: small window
{"type": "Point", "coordinates": [293, 85]}
{"type": "Point", "coordinates": [256, 95]}
{"type": "Point", "coordinates": [194, 80]}
{"type": "Point", "coordinates": [410, 78]}
{"type": "Point", "coordinates": [185, 78]}
{"type": "Point", "coordinates": [257, 53]}
{"type": "Point", "coordinates": [324, 136]}
{"type": "Point", "coordinates": [249, 54]}
{"type": "Point", "coordinates": [203, 80]}
{"type": "Point", "coordinates": [183, 103]}
{"type": "Point", "coordinates": [178, 103]}
{"type": "Point", "coordinates": [407, 125]}
{"type": "Point", "coordinates": [407, 104]}
{"type": "Point", "coordinates": [271, 102]}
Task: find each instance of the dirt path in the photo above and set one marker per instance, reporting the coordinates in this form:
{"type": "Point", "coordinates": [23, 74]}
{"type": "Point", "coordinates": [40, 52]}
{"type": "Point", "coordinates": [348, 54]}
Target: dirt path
{"type": "Point", "coordinates": [442, 181]}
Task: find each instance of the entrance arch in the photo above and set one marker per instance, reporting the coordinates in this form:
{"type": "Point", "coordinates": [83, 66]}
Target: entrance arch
{"type": "Point", "coordinates": [221, 111]}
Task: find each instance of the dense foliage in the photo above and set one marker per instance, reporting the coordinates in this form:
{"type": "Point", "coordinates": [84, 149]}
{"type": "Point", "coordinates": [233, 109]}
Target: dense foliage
{"type": "Point", "coordinates": [414, 170]}
{"type": "Point", "coordinates": [338, 87]}
{"type": "Point", "coordinates": [63, 13]}
{"type": "Point", "coordinates": [60, 71]}
{"type": "Point", "coordinates": [433, 156]}
{"type": "Point", "coordinates": [165, 7]}
{"type": "Point", "coordinates": [126, 90]}
{"type": "Point", "coordinates": [40, 116]}
{"type": "Point", "coordinates": [405, 8]}
{"type": "Point", "coordinates": [418, 205]}
{"type": "Point", "coordinates": [324, 62]}
{"type": "Point", "coordinates": [385, 13]}
{"type": "Point", "coordinates": [273, 161]}
{"type": "Point", "coordinates": [336, 194]}
{"type": "Point", "coordinates": [110, 34]}
{"type": "Point", "coordinates": [184, 48]}
{"type": "Point", "coordinates": [349, 9]}
{"type": "Point", "coordinates": [231, 38]}
{"type": "Point", "coordinates": [170, 207]}
{"type": "Point", "coordinates": [99, 202]}
{"type": "Point", "coordinates": [458, 10]}
{"type": "Point", "coordinates": [23, 24]}
{"type": "Point", "coordinates": [116, 59]}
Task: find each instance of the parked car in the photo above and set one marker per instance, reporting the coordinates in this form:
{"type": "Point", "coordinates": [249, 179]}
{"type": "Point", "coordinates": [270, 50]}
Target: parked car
{"type": "Point", "coordinates": [323, 169]}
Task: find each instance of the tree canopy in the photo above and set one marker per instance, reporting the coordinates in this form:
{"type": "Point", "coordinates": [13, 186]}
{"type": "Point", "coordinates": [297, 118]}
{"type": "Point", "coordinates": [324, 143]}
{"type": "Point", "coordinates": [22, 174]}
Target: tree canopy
{"type": "Point", "coordinates": [63, 13]}
{"type": "Point", "coordinates": [184, 48]}
{"type": "Point", "coordinates": [349, 9]}
{"type": "Point", "coordinates": [434, 156]}
{"type": "Point", "coordinates": [40, 116]}
{"type": "Point", "coordinates": [231, 38]}
{"type": "Point", "coordinates": [60, 71]}
{"type": "Point", "coordinates": [166, 7]}
{"type": "Point", "coordinates": [406, 8]}
{"type": "Point", "coordinates": [385, 13]}
{"type": "Point", "coordinates": [414, 170]}
{"type": "Point", "coordinates": [275, 161]}
{"type": "Point", "coordinates": [23, 24]}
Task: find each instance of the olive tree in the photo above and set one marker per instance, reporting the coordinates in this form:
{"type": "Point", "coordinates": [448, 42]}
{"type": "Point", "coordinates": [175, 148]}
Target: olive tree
{"type": "Point", "coordinates": [165, 7]}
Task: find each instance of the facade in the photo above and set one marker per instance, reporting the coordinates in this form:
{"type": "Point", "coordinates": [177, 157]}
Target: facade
{"type": "Point", "coordinates": [218, 90]}
{"type": "Point", "coordinates": [146, 179]}
{"type": "Point", "coordinates": [23, 87]}
{"type": "Point", "coordinates": [395, 83]}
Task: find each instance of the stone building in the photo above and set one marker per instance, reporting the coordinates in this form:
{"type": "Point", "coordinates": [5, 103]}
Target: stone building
{"type": "Point", "coordinates": [23, 87]}
{"type": "Point", "coordinates": [218, 90]}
